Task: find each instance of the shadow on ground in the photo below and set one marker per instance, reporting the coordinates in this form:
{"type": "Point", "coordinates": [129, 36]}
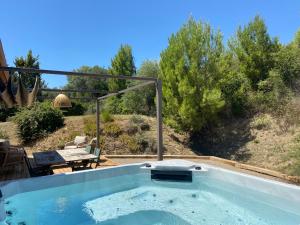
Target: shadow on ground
{"type": "Point", "coordinates": [227, 140]}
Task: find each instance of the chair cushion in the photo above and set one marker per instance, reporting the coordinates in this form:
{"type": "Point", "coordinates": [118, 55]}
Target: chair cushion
{"type": "Point", "coordinates": [70, 147]}
{"type": "Point", "coordinates": [80, 140]}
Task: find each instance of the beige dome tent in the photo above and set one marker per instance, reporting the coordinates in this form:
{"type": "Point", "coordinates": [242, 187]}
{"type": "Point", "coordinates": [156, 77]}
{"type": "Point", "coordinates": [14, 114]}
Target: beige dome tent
{"type": "Point", "coordinates": [62, 101]}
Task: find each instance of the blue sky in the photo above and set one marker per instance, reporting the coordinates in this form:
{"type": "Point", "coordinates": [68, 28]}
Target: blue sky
{"type": "Point", "coordinates": [67, 34]}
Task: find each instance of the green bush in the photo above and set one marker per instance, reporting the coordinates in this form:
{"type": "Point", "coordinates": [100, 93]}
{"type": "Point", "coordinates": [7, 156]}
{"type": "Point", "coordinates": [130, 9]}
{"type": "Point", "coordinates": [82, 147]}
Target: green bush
{"type": "Point", "coordinates": [112, 129]}
{"type": "Point", "coordinates": [235, 88]}
{"type": "Point", "coordinates": [147, 143]}
{"type": "Point", "coordinates": [262, 122]}
{"type": "Point", "coordinates": [38, 121]}
{"type": "Point", "coordinates": [90, 126]}
{"type": "Point", "coordinates": [6, 112]}
{"type": "Point", "coordinates": [113, 105]}
{"type": "Point", "coordinates": [131, 143]}
{"type": "Point", "coordinates": [272, 94]}
{"type": "Point", "coordinates": [136, 119]}
{"type": "Point", "coordinates": [3, 134]}
{"type": "Point", "coordinates": [90, 108]}
{"type": "Point", "coordinates": [106, 117]}
{"type": "Point", "coordinates": [77, 109]}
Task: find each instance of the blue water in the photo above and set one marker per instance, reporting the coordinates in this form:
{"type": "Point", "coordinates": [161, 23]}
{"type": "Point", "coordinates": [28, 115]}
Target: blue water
{"type": "Point", "coordinates": [125, 201]}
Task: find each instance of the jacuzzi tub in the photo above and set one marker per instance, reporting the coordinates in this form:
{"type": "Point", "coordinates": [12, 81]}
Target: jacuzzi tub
{"type": "Point", "coordinates": [174, 192]}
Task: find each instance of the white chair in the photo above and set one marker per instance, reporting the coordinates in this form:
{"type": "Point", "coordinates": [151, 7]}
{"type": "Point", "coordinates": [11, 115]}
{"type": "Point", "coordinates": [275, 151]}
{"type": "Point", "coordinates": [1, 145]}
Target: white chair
{"type": "Point", "coordinates": [79, 142]}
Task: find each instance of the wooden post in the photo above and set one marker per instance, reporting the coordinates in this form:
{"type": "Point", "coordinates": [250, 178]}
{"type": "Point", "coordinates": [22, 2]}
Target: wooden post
{"type": "Point", "coordinates": [160, 150]}
{"type": "Point", "coordinates": [98, 124]}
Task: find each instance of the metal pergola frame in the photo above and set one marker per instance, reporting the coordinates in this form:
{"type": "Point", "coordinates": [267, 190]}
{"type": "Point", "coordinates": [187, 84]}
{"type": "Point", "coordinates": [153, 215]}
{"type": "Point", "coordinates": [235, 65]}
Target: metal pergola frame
{"type": "Point", "coordinates": [146, 80]}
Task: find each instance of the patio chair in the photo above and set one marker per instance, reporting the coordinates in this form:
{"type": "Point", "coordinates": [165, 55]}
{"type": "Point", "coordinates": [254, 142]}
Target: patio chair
{"type": "Point", "coordinates": [88, 163]}
{"type": "Point", "coordinates": [79, 142]}
{"type": "Point", "coordinates": [33, 169]}
{"type": "Point", "coordinates": [13, 155]}
{"type": "Point", "coordinates": [88, 149]}
{"type": "Point", "coordinates": [97, 153]}
{"type": "Point", "coordinates": [84, 163]}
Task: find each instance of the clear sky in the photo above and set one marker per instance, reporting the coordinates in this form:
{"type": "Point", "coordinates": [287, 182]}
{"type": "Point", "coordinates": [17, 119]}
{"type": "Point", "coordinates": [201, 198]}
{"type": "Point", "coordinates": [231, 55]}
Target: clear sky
{"type": "Point", "coordinates": [67, 34]}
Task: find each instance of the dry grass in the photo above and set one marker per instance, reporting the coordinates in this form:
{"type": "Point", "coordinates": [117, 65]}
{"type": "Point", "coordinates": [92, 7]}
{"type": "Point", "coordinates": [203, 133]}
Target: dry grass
{"type": "Point", "coordinates": [261, 141]}
{"type": "Point", "coordinates": [111, 144]}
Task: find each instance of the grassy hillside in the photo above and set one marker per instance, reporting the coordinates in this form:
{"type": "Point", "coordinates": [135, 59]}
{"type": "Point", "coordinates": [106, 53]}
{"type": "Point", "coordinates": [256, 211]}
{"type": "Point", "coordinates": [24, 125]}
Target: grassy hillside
{"type": "Point", "coordinates": [122, 136]}
{"type": "Point", "coordinates": [264, 140]}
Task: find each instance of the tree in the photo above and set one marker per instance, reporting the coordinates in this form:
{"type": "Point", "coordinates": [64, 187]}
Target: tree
{"type": "Point", "coordinates": [288, 62]}
{"type": "Point", "coordinates": [142, 101]}
{"type": "Point", "coordinates": [190, 75]}
{"type": "Point", "coordinates": [122, 64]}
{"type": "Point", "coordinates": [235, 86]}
{"type": "Point", "coordinates": [30, 61]}
{"type": "Point", "coordinates": [88, 83]}
{"type": "Point", "coordinates": [255, 50]}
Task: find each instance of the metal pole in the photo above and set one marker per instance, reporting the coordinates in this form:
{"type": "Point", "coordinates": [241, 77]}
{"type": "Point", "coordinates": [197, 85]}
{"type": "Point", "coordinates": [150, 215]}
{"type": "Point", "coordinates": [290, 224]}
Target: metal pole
{"type": "Point", "coordinates": [159, 120]}
{"type": "Point", "coordinates": [126, 90]}
{"type": "Point", "coordinates": [98, 124]}
{"type": "Point", "coordinates": [71, 90]}
{"type": "Point", "coordinates": [71, 73]}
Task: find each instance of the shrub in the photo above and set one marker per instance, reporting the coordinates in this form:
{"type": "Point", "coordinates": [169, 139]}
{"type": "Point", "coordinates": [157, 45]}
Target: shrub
{"type": "Point", "coordinates": [112, 129]}
{"type": "Point", "coordinates": [136, 119]}
{"type": "Point", "coordinates": [131, 129]}
{"type": "Point", "coordinates": [38, 121]}
{"type": "Point", "coordinates": [113, 105]}
{"type": "Point", "coordinates": [72, 134]}
{"type": "Point", "coordinates": [293, 156]}
{"type": "Point", "coordinates": [61, 144]}
{"type": "Point", "coordinates": [106, 117]}
{"type": "Point", "coordinates": [289, 115]}
{"type": "Point", "coordinates": [131, 143]}
{"type": "Point", "coordinates": [145, 126]}
{"type": "Point", "coordinates": [77, 109]}
{"type": "Point", "coordinates": [272, 94]}
{"type": "Point", "coordinates": [147, 143]}
{"type": "Point", "coordinates": [3, 134]}
{"type": "Point", "coordinates": [90, 126]}
{"type": "Point", "coordinates": [261, 122]}
{"type": "Point", "coordinates": [90, 108]}
{"type": "Point", "coordinates": [235, 88]}
{"type": "Point", "coordinates": [6, 112]}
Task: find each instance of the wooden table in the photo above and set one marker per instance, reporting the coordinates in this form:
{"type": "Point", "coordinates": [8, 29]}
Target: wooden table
{"type": "Point", "coordinates": [58, 157]}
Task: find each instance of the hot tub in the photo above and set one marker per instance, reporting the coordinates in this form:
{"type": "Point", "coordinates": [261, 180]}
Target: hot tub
{"type": "Point", "coordinates": [175, 192]}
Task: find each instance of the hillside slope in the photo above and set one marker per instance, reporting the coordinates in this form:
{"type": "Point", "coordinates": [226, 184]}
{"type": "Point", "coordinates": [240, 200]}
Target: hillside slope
{"type": "Point", "coordinates": [82, 125]}
{"type": "Point", "coordinates": [262, 141]}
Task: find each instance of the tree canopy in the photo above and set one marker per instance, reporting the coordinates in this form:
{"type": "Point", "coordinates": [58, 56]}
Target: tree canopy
{"type": "Point", "coordinates": [142, 101]}
{"type": "Point", "coordinates": [88, 83]}
{"type": "Point", "coordinates": [190, 74]}
{"type": "Point", "coordinates": [203, 79]}
{"type": "Point", "coordinates": [254, 49]}
{"type": "Point", "coordinates": [30, 61]}
{"type": "Point", "coordinates": [288, 61]}
{"type": "Point", "coordinates": [122, 64]}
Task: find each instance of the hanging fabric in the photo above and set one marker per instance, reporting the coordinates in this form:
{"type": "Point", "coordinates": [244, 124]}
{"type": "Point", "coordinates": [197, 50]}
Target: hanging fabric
{"type": "Point", "coordinates": [22, 94]}
{"type": "Point", "coordinates": [7, 95]}
{"type": "Point", "coordinates": [32, 95]}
